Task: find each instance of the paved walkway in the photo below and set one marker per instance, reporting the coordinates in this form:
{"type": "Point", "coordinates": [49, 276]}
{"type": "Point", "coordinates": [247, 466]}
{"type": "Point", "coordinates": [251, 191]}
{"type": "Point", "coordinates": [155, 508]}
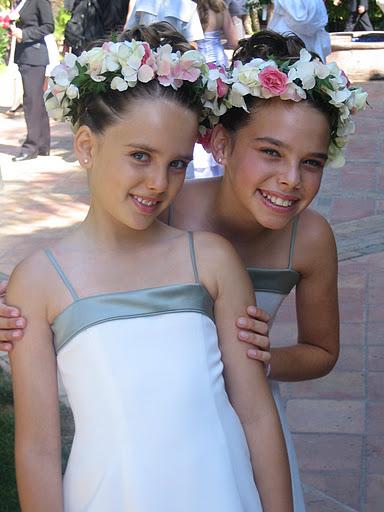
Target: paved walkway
{"type": "Point", "coordinates": [337, 421]}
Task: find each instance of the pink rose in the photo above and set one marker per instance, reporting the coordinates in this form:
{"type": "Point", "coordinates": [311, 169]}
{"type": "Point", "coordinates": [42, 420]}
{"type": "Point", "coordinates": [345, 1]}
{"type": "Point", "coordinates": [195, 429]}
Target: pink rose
{"type": "Point", "coordinates": [273, 80]}
{"type": "Point", "coordinates": [222, 88]}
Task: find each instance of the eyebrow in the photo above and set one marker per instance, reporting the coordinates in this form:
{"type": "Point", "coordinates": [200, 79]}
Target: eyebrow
{"type": "Point", "coordinates": [142, 146]}
{"type": "Point", "coordinates": [278, 143]}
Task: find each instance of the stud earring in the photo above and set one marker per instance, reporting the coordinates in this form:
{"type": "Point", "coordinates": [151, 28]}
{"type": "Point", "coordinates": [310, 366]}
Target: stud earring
{"type": "Point", "coordinates": [220, 160]}
{"type": "Point", "coordinates": [85, 160]}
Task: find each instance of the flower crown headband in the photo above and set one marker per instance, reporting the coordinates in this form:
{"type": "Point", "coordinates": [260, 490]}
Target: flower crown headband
{"type": "Point", "coordinates": [296, 81]}
{"type": "Point", "coordinates": [120, 66]}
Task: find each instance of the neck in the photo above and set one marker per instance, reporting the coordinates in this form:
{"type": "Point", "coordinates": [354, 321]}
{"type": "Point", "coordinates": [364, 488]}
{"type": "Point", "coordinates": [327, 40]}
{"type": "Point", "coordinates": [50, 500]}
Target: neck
{"type": "Point", "coordinates": [110, 235]}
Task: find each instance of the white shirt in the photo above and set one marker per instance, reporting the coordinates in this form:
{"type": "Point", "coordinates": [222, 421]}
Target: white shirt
{"type": "Point", "coordinates": [182, 14]}
{"type": "Point", "coordinates": [305, 18]}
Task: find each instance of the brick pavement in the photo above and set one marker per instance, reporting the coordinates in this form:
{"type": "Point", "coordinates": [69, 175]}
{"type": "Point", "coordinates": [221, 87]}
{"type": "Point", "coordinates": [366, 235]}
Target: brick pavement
{"type": "Point", "coordinates": [337, 421]}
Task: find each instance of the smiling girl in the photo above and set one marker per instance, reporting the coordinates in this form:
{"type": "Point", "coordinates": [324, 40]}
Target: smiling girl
{"type": "Point", "coordinates": [287, 116]}
{"type": "Point", "coordinates": [139, 317]}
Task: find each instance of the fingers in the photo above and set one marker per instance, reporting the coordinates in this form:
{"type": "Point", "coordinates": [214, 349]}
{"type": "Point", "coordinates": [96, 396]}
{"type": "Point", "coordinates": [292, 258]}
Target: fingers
{"type": "Point", "coordinates": [254, 326]}
{"type": "Point", "coordinates": [258, 313]}
{"type": "Point", "coordinates": [259, 355]}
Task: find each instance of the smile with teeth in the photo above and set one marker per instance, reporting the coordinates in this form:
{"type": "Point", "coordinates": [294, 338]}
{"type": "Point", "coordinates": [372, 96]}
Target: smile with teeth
{"type": "Point", "coordinates": [278, 201]}
{"type": "Point", "coordinates": [145, 202]}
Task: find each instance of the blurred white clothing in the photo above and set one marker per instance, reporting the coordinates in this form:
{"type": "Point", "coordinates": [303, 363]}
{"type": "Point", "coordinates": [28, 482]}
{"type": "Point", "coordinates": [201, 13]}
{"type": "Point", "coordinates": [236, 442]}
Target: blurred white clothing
{"type": "Point", "coordinates": [181, 14]}
{"type": "Point", "coordinates": [305, 18]}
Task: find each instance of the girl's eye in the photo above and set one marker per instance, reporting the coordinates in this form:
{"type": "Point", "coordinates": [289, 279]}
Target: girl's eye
{"type": "Point", "coordinates": [317, 164]}
{"type": "Point", "coordinates": [140, 156]}
{"type": "Point", "coordinates": [179, 164]}
{"type": "Point", "coordinates": [271, 152]}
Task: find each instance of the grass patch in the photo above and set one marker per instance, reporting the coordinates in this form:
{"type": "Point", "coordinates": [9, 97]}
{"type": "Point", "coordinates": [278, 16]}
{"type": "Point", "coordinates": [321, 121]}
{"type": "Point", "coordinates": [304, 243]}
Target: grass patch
{"type": "Point", "coordinates": [8, 491]}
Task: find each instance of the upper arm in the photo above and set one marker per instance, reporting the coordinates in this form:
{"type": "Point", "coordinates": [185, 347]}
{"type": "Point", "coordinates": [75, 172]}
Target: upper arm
{"type": "Point", "coordinates": [233, 294]}
{"type": "Point", "coordinates": [33, 362]}
{"type": "Point", "coordinates": [316, 294]}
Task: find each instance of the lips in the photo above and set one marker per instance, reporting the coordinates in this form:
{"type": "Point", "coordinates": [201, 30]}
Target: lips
{"type": "Point", "coordinates": [277, 200]}
{"type": "Point", "coordinates": [145, 204]}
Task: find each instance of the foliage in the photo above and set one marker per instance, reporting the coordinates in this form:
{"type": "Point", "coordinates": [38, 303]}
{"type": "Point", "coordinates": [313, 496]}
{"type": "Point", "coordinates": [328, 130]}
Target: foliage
{"type": "Point", "coordinates": [8, 492]}
{"type": "Point", "coordinates": [4, 44]}
{"type": "Point", "coordinates": [256, 4]}
{"type": "Point", "coordinates": [61, 20]}
{"type": "Point", "coordinates": [338, 15]}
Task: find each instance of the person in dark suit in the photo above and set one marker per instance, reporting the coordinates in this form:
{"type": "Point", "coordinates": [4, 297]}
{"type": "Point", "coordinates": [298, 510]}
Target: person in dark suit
{"type": "Point", "coordinates": [358, 17]}
{"type": "Point", "coordinates": [31, 55]}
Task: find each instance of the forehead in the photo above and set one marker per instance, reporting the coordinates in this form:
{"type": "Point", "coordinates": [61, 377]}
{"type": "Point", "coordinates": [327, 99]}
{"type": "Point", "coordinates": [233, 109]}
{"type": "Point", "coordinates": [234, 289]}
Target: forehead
{"type": "Point", "coordinates": [159, 122]}
{"type": "Point", "coordinates": [288, 121]}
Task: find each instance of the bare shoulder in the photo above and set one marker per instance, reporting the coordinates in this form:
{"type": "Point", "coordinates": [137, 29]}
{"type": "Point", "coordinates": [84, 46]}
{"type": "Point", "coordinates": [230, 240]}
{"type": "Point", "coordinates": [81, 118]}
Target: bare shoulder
{"type": "Point", "coordinates": [315, 242]}
{"type": "Point", "coordinates": [28, 281]}
{"type": "Point", "coordinates": [219, 265]}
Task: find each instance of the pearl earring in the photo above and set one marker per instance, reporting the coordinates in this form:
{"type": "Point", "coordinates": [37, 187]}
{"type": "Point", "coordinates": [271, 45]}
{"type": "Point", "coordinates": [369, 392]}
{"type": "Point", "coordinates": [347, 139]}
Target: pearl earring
{"type": "Point", "coordinates": [220, 160]}
{"type": "Point", "coordinates": [85, 160]}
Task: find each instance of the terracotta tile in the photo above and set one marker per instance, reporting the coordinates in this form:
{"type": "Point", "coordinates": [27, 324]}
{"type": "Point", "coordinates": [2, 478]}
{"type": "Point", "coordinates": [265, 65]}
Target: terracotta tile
{"type": "Point", "coordinates": [376, 358]}
{"type": "Point", "coordinates": [342, 486]}
{"type": "Point", "coordinates": [375, 312]}
{"type": "Point", "coordinates": [375, 385]}
{"type": "Point", "coordinates": [326, 416]}
{"type": "Point", "coordinates": [375, 493]}
{"type": "Point", "coordinates": [352, 333]}
{"type": "Point", "coordinates": [337, 385]}
{"type": "Point", "coordinates": [350, 358]}
{"type": "Point", "coordinates": [375, 418]}
{"type": "Point", "coordinates": [344, 209]}
{"type": "Point", "coordinates": [328, 452]}
{"type": "Point", "coordinates": [375, 333]}
{"type": "Point", "coordinates": [375, 454]}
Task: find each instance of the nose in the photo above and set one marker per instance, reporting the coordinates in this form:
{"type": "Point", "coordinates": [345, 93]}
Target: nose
{"type": "Point", "coordinates": [290, 176]}
{"type": "Point", "coordinates": [157, 180]}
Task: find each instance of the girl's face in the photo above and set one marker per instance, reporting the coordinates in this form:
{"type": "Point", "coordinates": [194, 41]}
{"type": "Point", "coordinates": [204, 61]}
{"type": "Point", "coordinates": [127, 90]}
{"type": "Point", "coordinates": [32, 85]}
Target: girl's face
{"type": "Point", "coordinates": [137, 166]}
{"type": "Point", "coordinates": [274, 165]}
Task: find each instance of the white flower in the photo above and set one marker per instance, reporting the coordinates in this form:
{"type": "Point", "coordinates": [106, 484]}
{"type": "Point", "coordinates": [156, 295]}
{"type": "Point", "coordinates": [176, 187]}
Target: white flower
{"type": "Point", "coordinates": [305, 72]}
{"type": "Point", "coordinates": [72, 92]}
{"type": "Point", "coordinates": [145, 73]}
{"type": "Point", "coordinates": [346, 128]}
{"type": "Point", "coordinates": [119, 84]}
{"type": "Point", "coordinates": [338, 97]}
{"type": "Point", "coordinates": [335, 156]}
{"type": "Point", "coordinates": [357, 100]}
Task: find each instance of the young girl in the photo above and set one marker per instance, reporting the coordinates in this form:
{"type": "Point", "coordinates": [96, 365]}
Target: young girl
{"type": "Point", "coordinates": [289, 115]}
{"type": "Point", "coordinates": [124, 306]}
{"type": "Point", "coordinates": [215, 20]}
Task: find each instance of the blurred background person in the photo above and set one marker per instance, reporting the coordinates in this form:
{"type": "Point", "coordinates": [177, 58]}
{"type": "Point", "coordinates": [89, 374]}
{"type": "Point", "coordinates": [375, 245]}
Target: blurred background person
{"type": "Point", "coordinates": [216, 22]}
{"type": "Point", "coordinates": [305, 18]}
{"type": "Point", "coordinates": [31, 55]}
{"type": "Point", "coordinates": [358, 17]}
{"type": "Point", "coordinates": [181, 14]}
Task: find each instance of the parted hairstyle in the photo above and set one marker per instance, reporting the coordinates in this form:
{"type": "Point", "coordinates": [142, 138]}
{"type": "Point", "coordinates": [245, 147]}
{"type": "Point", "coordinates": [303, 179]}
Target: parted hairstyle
{"type": "Point", "coordinates": [100, 110]}
{"type": "Point", "coordinates": [266, 45]}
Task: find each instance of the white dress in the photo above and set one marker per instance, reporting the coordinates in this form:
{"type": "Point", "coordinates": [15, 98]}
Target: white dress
{"type": "Point", "coordinates": [305, 18]}
{"type": "Point", "coordinates": [154, 429]}
{"type": "Point", "coordinates": [181, 14]}
{"type": "Point", "coordinates": [271, 287]}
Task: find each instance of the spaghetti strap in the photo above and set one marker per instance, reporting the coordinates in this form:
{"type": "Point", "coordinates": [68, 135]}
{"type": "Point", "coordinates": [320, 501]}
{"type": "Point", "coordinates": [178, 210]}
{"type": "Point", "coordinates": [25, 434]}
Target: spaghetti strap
{"type": "Point", "coordinates": [193, 256]}
{"type": "Point", "coordinates": [60, 271]}
{"type": "Point", "coordinates": [293, 239]}
{"type": "Point", "coordinates": [170, 214]}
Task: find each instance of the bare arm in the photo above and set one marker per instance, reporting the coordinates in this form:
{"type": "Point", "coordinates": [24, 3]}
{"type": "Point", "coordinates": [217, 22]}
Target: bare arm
{"type": "Point", "coordinates": [243, 376]}
{"type": "Point", "coordinates": [37, 431]}
{"type": "Point", "coordinates": [317, 347]}
{"type": "Point", "coordinates": [229, 30]}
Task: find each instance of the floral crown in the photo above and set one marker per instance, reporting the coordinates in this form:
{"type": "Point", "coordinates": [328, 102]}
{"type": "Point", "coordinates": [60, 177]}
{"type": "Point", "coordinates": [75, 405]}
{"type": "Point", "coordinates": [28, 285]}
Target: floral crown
{"type": "Point", "coordinates": [303, 79]}
{"type": "Point", "coordinates": [120, 66]}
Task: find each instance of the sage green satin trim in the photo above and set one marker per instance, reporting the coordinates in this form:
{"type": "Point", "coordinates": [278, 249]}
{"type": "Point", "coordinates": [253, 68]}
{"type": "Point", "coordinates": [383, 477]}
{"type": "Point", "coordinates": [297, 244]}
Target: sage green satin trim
{"type": "Point", "coordinates": [273, 280]}
{"type": "Point", "coordinates": [88, 311]}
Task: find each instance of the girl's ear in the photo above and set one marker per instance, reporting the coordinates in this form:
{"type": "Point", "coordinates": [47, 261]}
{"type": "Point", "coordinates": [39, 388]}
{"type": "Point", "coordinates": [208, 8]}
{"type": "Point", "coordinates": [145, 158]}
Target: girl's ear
{"type": "Point", "coordinates": [220, 144]}
{"type": "Point", "coordinates": [84, 146]}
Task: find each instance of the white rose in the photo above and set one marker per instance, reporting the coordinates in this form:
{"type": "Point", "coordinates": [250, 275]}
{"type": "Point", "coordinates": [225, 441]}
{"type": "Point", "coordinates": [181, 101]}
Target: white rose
{"type": "Point", "coordinates": [119, 84]}
{"type": "Point", "coordinates": [72, 92]}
